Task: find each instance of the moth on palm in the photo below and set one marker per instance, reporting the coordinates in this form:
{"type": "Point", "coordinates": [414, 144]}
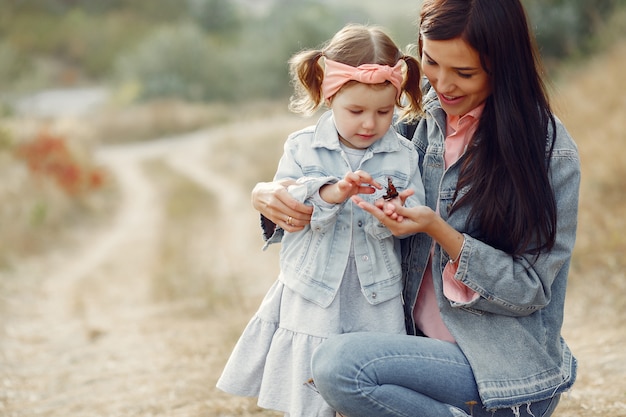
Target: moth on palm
{"type": "Point", "coordinates": [391, 190]}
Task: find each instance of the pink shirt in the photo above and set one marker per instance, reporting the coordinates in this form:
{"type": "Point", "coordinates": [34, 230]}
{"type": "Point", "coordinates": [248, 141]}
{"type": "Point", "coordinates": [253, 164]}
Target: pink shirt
{"type": "Point", "coordinates": [426, 314]}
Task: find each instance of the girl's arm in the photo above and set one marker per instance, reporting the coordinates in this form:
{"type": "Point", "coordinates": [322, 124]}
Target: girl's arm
{"type": "Point", "coordinates": [359, 182]}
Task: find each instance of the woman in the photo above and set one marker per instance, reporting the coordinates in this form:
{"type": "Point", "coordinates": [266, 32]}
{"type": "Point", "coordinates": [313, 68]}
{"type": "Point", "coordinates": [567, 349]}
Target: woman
{"type": "Point", "coordinates": [485, 276]}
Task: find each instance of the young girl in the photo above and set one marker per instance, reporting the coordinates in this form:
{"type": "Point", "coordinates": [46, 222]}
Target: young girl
{"type": "Point", "coordinates": [341, 273]}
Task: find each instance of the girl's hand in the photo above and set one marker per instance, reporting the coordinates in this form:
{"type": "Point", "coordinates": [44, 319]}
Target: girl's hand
{"type": "Point", "coordinates": [359, 182]}
{"type": "Point", "coordinates": [273, 201]}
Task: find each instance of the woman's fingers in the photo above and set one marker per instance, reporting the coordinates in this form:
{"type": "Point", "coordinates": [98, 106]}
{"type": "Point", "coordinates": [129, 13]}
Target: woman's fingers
{"type": "Point", "coordinates": [274, 202]}
{"type": "Point", "coordinates": [370, 208]}
{"type": "Point", "coordinates": [400, 220]}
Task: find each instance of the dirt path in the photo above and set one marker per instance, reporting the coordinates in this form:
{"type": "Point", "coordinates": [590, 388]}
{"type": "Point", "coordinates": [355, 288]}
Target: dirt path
{"type": "Point", "coordinates": [82, 336]}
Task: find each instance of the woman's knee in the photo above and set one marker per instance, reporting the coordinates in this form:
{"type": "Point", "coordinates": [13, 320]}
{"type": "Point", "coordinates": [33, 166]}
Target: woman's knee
{"type": "Point", "coordinates": [327, 359]}
{"type": "Point", "coordinates": [336, 362]}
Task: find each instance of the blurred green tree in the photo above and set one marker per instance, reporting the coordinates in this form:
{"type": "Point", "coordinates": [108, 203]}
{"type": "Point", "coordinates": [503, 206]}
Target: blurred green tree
{"type": "Point", "coordinates": [221, 49]}
{"type": "Point", "coordinates": [173, 61]}
{"type": "Point", "coordinates": [268, 44]}
{"type": "Point", "coordinates": [215, 16]}
{"type": "Point", "coordinates": [564, 27]}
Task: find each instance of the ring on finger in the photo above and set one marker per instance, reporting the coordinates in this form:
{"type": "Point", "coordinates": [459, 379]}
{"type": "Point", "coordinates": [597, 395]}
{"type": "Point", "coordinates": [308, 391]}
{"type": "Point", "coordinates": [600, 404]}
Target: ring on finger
{"type": "Point", "coordinates": [289, 219]}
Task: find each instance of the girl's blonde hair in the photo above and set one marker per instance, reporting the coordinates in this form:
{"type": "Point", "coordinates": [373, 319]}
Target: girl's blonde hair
{"type": "Point", "coordinates": [353, 45]}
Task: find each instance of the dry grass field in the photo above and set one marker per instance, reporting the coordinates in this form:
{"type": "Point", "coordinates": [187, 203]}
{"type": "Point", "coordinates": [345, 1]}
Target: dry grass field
{"type": "Point", "coordinates": [592, 104]}
{"type": "Point", "coordinates": [136, 313]}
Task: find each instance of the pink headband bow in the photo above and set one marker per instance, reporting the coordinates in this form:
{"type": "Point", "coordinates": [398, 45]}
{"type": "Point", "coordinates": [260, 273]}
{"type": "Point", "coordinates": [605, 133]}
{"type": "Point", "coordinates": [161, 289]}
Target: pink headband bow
{"type": "Point", "coordinates": [337, 74]}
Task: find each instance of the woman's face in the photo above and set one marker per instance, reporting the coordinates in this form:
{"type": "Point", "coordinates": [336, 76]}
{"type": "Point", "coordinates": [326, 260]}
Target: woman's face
{"type": "Point", "coordinates": [454, 70]}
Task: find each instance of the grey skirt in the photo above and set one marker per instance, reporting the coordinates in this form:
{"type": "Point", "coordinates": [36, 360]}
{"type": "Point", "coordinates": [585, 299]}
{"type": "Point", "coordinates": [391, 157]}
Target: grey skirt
{"type": "Point", "coordinates": [272, 358]}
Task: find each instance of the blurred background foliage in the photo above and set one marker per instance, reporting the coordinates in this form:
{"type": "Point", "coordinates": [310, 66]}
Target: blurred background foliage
{"type": "Point", "coordinates": [220, 50]}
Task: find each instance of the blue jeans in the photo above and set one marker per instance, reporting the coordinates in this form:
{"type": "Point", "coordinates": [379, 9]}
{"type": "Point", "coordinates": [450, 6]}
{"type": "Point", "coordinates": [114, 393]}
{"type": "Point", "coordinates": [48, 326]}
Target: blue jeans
{"type": "Point", "coordinates": [378, 375]}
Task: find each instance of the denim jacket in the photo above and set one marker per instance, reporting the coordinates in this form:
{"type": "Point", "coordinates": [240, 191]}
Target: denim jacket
{"type": "Point", "coordinates": [312, 261]}
{"type": "Point", "coordinates": [510, 334]}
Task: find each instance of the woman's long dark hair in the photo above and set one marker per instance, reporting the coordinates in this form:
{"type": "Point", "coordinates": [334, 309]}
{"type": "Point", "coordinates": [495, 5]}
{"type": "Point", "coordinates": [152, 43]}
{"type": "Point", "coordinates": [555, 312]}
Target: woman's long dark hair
{"type": "Point", "coordinates": [506, 168]}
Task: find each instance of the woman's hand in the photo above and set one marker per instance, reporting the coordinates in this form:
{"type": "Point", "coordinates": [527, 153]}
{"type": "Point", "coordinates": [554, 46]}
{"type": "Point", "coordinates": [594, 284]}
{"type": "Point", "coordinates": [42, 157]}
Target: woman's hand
{"type": "Point", "coordinates": [403, 221]}
{"type": "Point", "coordinates": [400, 220]}
{"type": "Point", "coordinates": [273, 201]}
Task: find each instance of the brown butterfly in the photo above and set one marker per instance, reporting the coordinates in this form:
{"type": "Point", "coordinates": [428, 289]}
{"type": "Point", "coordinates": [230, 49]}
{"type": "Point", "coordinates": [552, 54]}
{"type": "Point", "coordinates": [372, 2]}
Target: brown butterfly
{"type": "Point", "coordinates": [391, 190]}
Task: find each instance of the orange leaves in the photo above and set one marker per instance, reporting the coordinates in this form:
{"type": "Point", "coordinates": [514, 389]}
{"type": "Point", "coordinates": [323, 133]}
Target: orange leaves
{"type": "Point", "coordinates": [49, 156]}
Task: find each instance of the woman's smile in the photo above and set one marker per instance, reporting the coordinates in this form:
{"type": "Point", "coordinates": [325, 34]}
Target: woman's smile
{"type": "Point", "coordinates": [451, 100]}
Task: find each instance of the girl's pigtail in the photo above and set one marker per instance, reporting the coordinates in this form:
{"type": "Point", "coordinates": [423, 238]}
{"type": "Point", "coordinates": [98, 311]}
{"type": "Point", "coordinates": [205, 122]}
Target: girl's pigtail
{"type": "Point", "coordinates": [412, 108]}
{"type": "Point", "coordinates": [307, 76]}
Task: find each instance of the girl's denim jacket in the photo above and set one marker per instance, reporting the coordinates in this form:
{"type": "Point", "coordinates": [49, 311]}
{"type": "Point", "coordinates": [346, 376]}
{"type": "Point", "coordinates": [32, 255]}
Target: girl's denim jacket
{"type": "Point", "coordinates": [510, 334]}
{"type": "Point", "coordinates": [312, 261]}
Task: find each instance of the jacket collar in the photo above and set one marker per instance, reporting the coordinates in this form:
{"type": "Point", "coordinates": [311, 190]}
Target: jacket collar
{"type": "Point", "coordinates": [432, 107]}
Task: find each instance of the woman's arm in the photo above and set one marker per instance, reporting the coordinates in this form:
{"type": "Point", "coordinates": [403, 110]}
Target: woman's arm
{"type": "Point", "coordinates": [508, 285]}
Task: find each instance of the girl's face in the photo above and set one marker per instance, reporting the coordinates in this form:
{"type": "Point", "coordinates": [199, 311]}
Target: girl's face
{"type": "Point", "coordinates": [363, 113]}
{"type": "Point", "coordinates": [454, 70]}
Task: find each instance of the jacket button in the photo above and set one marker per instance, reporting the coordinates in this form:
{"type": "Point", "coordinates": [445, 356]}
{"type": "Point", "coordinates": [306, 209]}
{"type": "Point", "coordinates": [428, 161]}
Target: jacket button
{"type": "Point", "coordinates": [365, 258]}
{"type": "Point", "coordinates": [360, 223]}
{"type": "Point", "coordinates": [374, 295]}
